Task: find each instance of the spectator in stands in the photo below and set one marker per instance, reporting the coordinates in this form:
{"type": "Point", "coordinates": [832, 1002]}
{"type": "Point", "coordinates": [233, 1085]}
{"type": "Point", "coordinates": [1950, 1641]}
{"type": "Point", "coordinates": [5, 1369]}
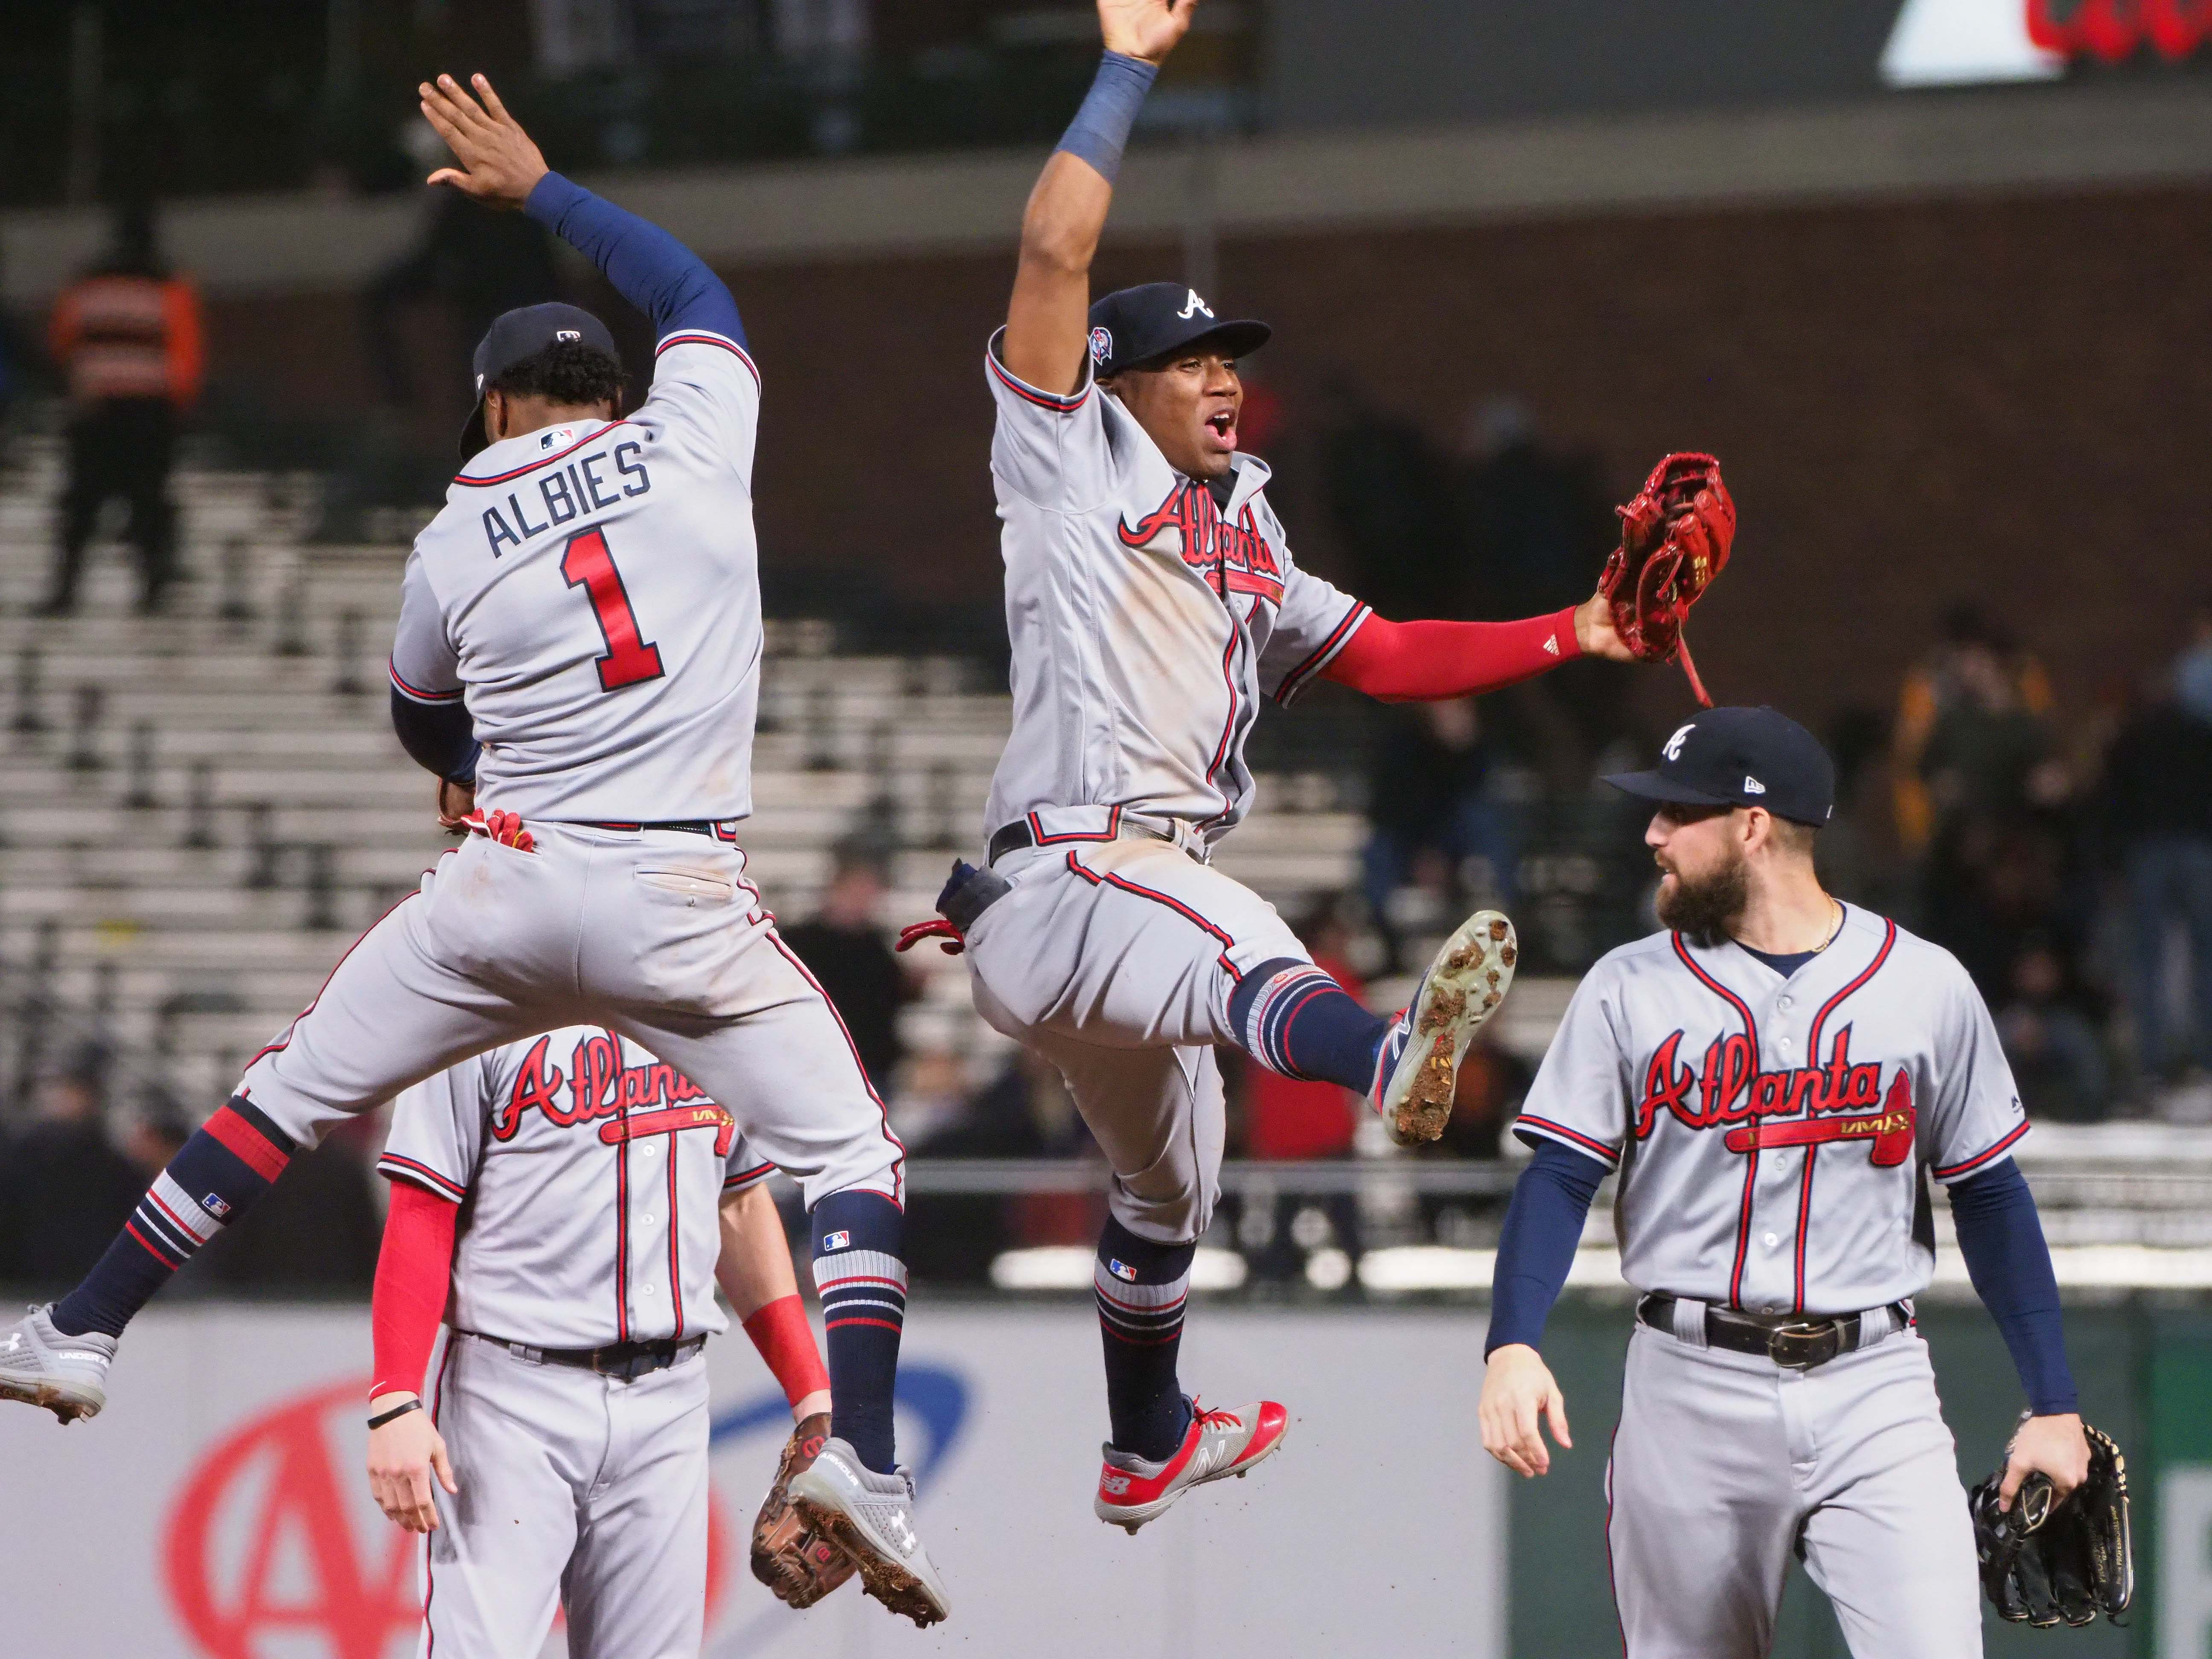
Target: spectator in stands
{"type": "Point", "coordinates": [1387, 493]}
{"type": "Point", "coordinates": [1965, 714]}
{"type": "Point", "coordinates": [2048, 1029]}
{"type": "Point", "coordinates": [846, 947]}
{"type": "Point", "coordinates": [1429, 815]}
{"type": "Point", "coordinates": [2157, 808]}
{"type": "Point", "coordinates": [1534, 521]}
{"type": "Point", "coordinates": [64, 1187]}
{"type": "Point", "coordinates": [127, 335]}
{"type": "Point", "coordinates": [470, 261]}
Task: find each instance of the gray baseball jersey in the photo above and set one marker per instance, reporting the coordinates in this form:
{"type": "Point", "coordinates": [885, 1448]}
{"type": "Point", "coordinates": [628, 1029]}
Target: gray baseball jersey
{"type": "Point", "coordinates": [593, 1175]}
{"type": "Point", "coordinates": [1771, 1132]}
{"type": "Point", "coordinates": [1147, 619]}
{"type": "Point", "coordinates": [593, 592]}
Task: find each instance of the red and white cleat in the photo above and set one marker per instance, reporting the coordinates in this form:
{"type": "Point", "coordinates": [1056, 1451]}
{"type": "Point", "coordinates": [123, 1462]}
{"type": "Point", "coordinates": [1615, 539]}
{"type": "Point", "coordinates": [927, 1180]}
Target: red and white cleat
{"type": "Point", "coordinates": [1131, 1491]}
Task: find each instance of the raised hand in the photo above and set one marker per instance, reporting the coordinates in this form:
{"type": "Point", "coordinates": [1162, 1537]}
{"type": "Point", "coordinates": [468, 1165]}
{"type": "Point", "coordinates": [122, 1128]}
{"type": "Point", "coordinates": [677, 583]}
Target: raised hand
{"type": "Point", "coordinates": [499, 163]}
{"type": "Point", "coordinates": [1145, 28]}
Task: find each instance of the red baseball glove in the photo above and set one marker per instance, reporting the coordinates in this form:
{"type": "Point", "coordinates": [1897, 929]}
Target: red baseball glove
{"type": "Point", "coordinates": [1674, 541]}
{"type": "Point", "coordinates": [790, 1556]}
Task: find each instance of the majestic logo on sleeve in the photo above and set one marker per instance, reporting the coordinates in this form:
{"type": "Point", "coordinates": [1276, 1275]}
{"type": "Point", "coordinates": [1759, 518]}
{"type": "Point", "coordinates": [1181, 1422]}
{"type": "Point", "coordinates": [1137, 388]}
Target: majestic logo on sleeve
{"type": "Point", "coordinates": [599, 1085]}
{"type": "Point", "coordinates": [1815, 1103]}
{"type": "Point", "coordinates": [1209, 543]}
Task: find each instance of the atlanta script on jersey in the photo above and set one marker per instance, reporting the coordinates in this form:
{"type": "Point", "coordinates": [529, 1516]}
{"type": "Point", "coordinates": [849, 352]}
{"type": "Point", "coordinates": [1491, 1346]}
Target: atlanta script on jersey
{"type": "Point", "coordinates": [1147, 619]}
{"type": "Point", "coordinates": [593, 592]}
{"type": "Point", "coordinates": [592, 1176]}
{"type": "Point", "coordinates": [1771, 1132]}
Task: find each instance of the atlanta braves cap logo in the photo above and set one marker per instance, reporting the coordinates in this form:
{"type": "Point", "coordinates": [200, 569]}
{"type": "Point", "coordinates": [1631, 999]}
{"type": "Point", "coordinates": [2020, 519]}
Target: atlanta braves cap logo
{"type": "Point", "coordinates": [1102, 344]}
{"type": "Point", "coordinates": [1673, 748]}
{"type": "Point", "coordinates": [1193, 305]}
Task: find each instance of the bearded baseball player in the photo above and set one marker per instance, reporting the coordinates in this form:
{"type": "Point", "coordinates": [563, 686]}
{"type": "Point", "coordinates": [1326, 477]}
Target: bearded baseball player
{"type": "Point", "coordinates": [578, 660]}
{"type": "Point", "coordinates": [565, 1206]}
{"type": "Point", "coordinates": [1775, 1078]}
{"type": "Point", "coordinates": [1153, 601]}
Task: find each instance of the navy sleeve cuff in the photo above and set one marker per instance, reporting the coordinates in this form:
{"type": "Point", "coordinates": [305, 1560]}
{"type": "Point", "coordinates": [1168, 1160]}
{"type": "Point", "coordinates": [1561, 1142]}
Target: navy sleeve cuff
{"type": "Point", "coordinates": [438, 738]}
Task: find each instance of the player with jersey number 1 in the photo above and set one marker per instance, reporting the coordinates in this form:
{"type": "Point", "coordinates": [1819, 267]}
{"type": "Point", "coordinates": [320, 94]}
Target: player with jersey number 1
{"type": "Point", "coordinates": [578, 660]}
{"type": "Point", "coordinates": [1151, 602]}
{"type": "Point", "coordinates": [1775, 1078]}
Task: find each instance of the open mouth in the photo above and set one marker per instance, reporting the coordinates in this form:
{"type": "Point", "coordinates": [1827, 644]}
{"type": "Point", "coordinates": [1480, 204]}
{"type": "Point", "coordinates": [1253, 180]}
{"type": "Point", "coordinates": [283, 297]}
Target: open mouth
{"type": "Point", "coordinates": [1223, 425]}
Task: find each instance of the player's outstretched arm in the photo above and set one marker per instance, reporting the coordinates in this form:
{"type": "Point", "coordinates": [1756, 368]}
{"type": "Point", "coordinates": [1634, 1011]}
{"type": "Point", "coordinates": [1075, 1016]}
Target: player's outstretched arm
{"type": "Point", "coordinates": [1049, 319]}
{"type": "Point", "coordinates": [501, 168]}
{"type": "Point", "coordinates": [756, 1275]}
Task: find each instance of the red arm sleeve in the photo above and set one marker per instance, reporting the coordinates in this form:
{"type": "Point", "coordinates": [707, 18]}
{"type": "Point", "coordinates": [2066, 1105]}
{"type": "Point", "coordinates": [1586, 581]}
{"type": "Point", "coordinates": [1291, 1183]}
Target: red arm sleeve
{"type": "Point", "coordinates": [412, 1273]}
{"type": "Point", "coordinates": [1427, 661]}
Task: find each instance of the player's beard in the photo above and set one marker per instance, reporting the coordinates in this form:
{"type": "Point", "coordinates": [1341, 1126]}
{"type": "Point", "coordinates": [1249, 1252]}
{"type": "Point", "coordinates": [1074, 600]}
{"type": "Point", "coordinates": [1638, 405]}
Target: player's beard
{"type": "Point", "coordinates": [1708, 907]}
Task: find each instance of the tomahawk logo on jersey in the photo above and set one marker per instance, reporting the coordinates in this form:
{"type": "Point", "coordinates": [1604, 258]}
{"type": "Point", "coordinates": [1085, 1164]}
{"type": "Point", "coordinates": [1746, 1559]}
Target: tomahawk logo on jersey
{"type": "Point", "coordinates": [596, 1174]}
{"type": "Point", "coordinates": [548, 585]}
{"type": "Point", "coordinates": [1780, 1172]}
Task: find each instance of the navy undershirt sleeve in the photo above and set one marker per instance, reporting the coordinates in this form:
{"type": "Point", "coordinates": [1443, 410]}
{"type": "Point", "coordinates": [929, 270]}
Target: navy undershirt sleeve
{"type": "Point", "coordinates": [2001, 1236]}
{"type": "Point", "coordinates": [647, 266]}
{"type": "Point", "coordinates": [439, 737]}
{"type": "Point", "coordinates": [1543, 1226]}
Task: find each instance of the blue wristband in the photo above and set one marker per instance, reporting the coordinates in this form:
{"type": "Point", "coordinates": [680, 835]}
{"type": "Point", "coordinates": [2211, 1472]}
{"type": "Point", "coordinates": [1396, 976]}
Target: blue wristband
{"type": "Point", "coordinates": [1100, 130]}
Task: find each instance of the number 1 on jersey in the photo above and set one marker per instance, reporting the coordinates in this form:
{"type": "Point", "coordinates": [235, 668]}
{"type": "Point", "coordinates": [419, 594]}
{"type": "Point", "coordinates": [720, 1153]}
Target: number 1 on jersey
{"type": "Point", "coordinates": [588, 565]}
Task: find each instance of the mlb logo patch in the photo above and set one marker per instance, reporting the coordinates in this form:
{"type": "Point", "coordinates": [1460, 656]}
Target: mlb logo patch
{"type": "Point", "coordinates": [837, 1240]}
{"type": "Point", "coordinates": [1123, 1271]}
{"type": "Point", "coordinates": [559, 435]}
{"type": "Point", "coordinates": [215, 1206]}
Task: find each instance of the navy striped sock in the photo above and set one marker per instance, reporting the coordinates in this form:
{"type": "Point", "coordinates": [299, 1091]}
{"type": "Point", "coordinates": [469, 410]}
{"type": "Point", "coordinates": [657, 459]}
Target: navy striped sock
{"type": "Point", "coordinates": [1141, 1288]}
{"type": "Point", "coordinates": [1295, 1018]}
{"type": "Point", "coordinates": [229, 1162]}
{"type": "Point", "coordinates": [860, 1270]}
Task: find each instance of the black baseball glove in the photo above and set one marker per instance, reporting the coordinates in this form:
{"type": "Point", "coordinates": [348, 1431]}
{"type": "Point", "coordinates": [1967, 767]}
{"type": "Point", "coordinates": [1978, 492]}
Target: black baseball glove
{"type": "Point", "coordinates": [2044, 1562]}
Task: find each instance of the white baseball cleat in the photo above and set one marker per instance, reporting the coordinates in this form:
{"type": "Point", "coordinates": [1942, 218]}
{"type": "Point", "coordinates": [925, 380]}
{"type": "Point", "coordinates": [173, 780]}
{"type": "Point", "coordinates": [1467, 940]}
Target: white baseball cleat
{"type": "Point", "coordinates": [1417, 1074]}
{"type": "Point", "coordinates": [870, 1516]}
{"type": "Point", "coordinates": [42, 1365]}
{"type": "Point", "coordinates": [1132, 1490]}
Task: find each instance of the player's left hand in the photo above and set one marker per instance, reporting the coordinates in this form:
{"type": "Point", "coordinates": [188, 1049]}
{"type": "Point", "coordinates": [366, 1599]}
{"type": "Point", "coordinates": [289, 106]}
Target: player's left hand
{"type": "Point", "coordinates": [455, 802]}
{"type": "Point", "coordinates": [2052, 1445]}
{"type": "Point", "coordinates": [500, 166]}
{"type": "Point", "coordinates": [1517, 1391]}
{"type": "Point", "coordinates": [403, 1456]}
{"type": "Point", "coordinates": [1594, 633]}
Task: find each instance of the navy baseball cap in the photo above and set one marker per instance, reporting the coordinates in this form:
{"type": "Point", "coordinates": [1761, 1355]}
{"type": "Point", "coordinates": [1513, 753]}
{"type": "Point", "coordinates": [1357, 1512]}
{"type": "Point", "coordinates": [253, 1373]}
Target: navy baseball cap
{"type": "Point", "coordinates": [1131, 326]}
{"type": "Point", "coordinates": [525, 333]}
{"type": "Point", "coordinates": [1742, 757]}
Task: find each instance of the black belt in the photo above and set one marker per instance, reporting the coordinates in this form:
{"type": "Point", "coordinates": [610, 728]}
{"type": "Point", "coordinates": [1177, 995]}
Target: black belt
{"type": "Point", "coordinates": [1013, 837]}
{"type": "Point", "coordinates": [1791, 1341]}
{"type": "Point", "coordinates": [625, 1361]}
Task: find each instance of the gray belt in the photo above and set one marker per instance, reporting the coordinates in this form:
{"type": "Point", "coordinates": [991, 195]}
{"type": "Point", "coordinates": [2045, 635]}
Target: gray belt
{"type": "Point", "coordinates": [1792, 1341]}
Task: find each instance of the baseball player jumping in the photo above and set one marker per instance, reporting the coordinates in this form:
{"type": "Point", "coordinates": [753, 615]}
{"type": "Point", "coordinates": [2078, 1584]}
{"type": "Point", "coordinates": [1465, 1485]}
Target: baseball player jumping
{"type": "Point", "coordinates": [1774, 1078]}
{"type": "Point", "coordinates": [1152, 600]}
{"type": "Point", "coordinates": [579, 651]}
{"type": "Point", "coordinates": [597, 1196]}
